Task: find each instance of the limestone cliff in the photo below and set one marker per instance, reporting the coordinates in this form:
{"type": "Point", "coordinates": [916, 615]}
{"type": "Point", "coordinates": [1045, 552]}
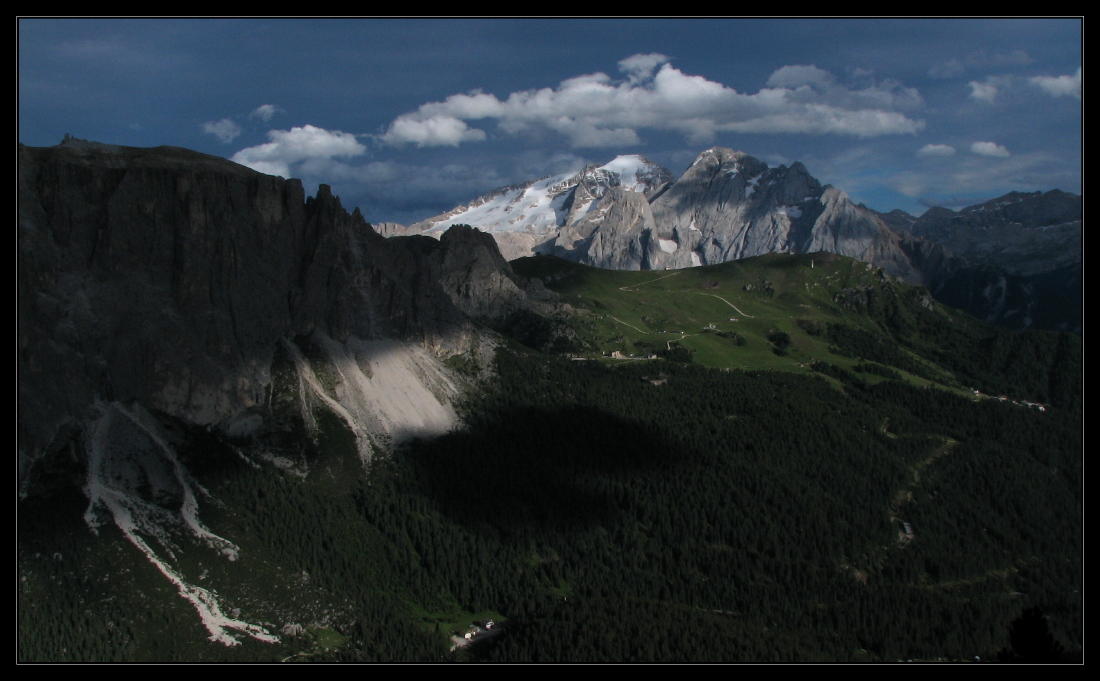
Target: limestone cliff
{"type": "Point", "coordinates": [169, 277]}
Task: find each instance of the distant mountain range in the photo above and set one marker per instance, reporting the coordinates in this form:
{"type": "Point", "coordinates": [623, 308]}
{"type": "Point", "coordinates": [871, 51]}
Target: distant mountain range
{"type": "Point", "coordinates": [1005, 260]}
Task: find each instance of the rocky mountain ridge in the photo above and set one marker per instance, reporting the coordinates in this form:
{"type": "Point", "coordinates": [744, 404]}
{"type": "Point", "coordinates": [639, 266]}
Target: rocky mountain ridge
{"type": "Point", "coordinates": [632, 214]}
{"type": "Point", "coordinates": [523, 217]}
{"type": "Point", "coordinates": [1003, 260]}
{"type": "Point", "coordinates": [1017, 258]}
{"type": "Point", "coordinates": [170, 278]}
{"type": "Point", "coordinates": [1025, 234]}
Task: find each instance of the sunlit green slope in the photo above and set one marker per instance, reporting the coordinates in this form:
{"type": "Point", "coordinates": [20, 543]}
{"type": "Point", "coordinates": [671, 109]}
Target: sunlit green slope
{"type": "Point", "coordinates": [788, 312]}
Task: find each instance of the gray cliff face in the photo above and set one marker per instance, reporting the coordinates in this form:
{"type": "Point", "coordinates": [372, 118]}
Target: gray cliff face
{"type": "Point", "coordinates": [388, 229]}
{"type": "Point", "coordinates": [554, 213]}
{"type": "Point", "coordinates": [1024, 234]}
{"type": "Point", "coordinates": [1018, 258]}
{"type": "Point", "coordinates": [169, 277]}
{"type": "Point", "coordinates": [728, 206]}
{"type": "Point", "coordinates": [618, 235]}
{"type": "Point", "coordinates": [142, 276]}
{"type": "Point", "coordinates": [476, 276]}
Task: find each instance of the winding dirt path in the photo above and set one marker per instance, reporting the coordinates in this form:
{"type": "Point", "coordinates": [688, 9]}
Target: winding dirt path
{"type": "Point", "coordinates": [648, 333]}
{"type": "Point", "coordinates": [634, 287]}
{"type": "Point", "coordinates": [728, 303]}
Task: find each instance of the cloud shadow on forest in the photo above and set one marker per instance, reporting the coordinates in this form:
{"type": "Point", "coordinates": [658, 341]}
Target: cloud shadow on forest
{"type": "Point", "coordinates": [565, 468]}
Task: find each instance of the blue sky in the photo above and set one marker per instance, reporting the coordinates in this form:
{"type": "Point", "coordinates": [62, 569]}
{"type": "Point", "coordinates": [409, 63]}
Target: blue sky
{"type": "Point", "coordinates": [408, 118]}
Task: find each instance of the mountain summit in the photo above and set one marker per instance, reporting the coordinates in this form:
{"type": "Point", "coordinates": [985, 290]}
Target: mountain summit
{"type": "Point", "coordinates": [524, 217]}
{"type": "Point", "coordinates": [633, 214]}
{"type": "Point", "coordinates": [1014, 260]}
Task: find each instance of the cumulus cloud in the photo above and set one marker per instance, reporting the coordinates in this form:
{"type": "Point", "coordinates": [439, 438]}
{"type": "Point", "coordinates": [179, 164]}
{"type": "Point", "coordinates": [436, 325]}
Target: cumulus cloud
{"type": "Point", "coordinates": [298, 145]}
{"type": "Point", "coordinates": [225, 130]}
{"type": "Point", "coordinates": [639, 68]}
{"type": "Point", "coordinates": [595, 110]}
{"type": "Point", "coordinates": [794, 76]}
{"type": "Point", "coordinates": [936, 151]}
{"type": "Point", "coordinates": [265, 112]}
{"type": "Point", "coordinates": [1058, 86]}
{"type": "Point", "coordinates": [989, 149]}
{"type": "Point", "coordinates": [433, 131]}
{"type": "Point", "coordinates": [988, 91]}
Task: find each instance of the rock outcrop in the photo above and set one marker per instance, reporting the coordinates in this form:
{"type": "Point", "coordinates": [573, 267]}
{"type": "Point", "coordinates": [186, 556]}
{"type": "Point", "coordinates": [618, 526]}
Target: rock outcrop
{"type": "Point", "coordinates": [1024, 234]}
{"type": "Point", "coordinates": [526, 219]}
{"type": "Point", "coordinates": [1017, 258]}
{"type": "Point", "coordinates": [729, 205]}
{"type": "Point", "coordinates": [169, 277]}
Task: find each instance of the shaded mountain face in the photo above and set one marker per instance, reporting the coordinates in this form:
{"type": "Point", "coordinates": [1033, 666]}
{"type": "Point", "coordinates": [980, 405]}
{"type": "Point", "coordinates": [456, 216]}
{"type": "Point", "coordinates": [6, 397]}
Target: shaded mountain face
{"type": "Point", "coordinates": [1018, 258]}
{"type": "Point", "coordinates": [170, 278]}
{"type": "Point", "coordinates": [1025, 234]}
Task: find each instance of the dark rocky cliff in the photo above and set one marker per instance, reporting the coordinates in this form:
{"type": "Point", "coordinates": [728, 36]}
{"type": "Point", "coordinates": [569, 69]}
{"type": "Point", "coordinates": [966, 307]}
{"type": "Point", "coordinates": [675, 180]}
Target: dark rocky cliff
{"type": "Point", "coordinates": [1015, 260]}
{"type": "Point", "coordinates": [168, 277]}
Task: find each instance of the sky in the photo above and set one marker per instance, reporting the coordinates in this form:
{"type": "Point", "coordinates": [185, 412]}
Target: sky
{"type": "Point", "coordinates": [408, 118]}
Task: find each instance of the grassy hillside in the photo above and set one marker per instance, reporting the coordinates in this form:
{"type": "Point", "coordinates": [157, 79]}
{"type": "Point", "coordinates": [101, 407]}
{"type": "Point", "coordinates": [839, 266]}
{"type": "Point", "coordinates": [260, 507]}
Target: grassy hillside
{"type": "Point", "coordinates": [787, 312]}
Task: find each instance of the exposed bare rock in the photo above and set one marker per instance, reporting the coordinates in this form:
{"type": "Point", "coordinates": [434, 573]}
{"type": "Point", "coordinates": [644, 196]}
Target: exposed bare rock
{"type": "Point", "coordinates": [618, 235]}
{"type": "Point", "coordinates": [1024, 234]}
{"type": "Point", "coordinates": [526, 218]}
{"type": "Point", "coordinates": [388, 229]}
{"type": "Point", "coordinates": [729, 205]}
{"type": "Point", "coordinates": [1017, 258]}
{"type": "Point", "coordinates": [169, 277]}
{"type": "Point", "coordinates": [475, 274]}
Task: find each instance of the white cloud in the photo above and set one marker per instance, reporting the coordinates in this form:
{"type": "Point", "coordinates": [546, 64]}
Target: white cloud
{"type": "Point", "coordinates": [594, 110]}
{"type": "Point", "coordinates": [989, 149]}
{"type": "Point", "coordinates": [439, 130]}
{"type": "Point", "coordinates": [225, 130]}
{"type": "Point", "coordinates": [639, 68]}
{"type": "Point", "coordinates": [794, 76]}
{"type": "Point", "coordinates": [265, 112]}
{"type": "Point", "coordinates": [1058, 86]}
{"type": "Point", "coordinates": [936, 151]}
{"type": "Point", "coordinates": [984, 92]}
{"type": "Point", "coordinates": [297, 145]}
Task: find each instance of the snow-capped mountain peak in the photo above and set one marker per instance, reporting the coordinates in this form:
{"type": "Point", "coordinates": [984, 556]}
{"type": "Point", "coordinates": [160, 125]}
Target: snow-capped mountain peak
{"type": "Point", "coordinates": [541, 206]}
